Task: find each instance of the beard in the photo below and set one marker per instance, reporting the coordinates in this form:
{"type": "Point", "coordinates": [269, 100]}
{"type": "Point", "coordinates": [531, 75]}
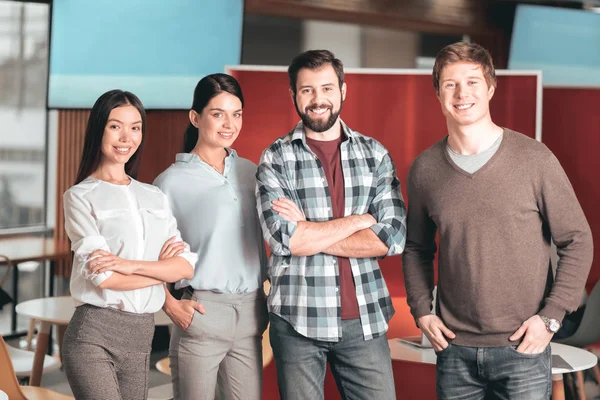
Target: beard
{"type": "Point", "coordinates": [317, 125]}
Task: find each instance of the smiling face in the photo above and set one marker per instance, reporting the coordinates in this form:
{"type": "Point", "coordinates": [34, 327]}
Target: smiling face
{"type": "Point", "coordinates": [220, 122]}
{"type": "Point", "coordinates": [122, 135]}
{"type": "Point", "coordinates": [464, 94]}
{"type": "Point", "coordinates": [318, 98]}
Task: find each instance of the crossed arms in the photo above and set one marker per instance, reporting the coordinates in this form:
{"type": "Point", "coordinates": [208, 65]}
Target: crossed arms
{"type": "Point", "coordinates": [379, 232]}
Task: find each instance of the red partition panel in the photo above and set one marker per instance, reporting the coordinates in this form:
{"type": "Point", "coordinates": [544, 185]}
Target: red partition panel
{"type": "Point", "coordinates": [571, 129]}
{"type": "Point", "coordinates": [400, 110]}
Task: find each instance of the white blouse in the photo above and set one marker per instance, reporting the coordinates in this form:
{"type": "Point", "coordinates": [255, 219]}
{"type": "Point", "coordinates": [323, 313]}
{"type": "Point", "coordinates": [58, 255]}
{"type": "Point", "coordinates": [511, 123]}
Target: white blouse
{"type": "Point", "coordinates": [131, 221]}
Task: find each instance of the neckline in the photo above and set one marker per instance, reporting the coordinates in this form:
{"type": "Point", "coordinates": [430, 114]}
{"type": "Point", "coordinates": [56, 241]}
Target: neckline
{"type": "Point", "coordinates": [226, 165]}
{"type": "Point", "coordinates": [484, 167]}
{"type": "Point", "coordinates": [113, 184]}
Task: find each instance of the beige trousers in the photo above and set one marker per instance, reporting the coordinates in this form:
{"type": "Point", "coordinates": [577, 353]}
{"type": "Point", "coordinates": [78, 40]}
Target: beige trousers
{"type": "Point", "coordinates": [220, 354]}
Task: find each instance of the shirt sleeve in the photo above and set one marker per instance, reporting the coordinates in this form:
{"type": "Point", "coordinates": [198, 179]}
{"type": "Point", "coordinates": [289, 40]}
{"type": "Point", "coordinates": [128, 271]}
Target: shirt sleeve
{"type": "Point", "coordinates": [571, 233]}
{"type": "Point", "coordinates": [417, 259]}
{"type": "Point", "coordinates": [83, 232]}
{"type": "Point", "coordinates": [388, 208]}
{"type": "Point", "coordinates": [272, 185]}
{"type": "Point", "coordinates": [187, 254]}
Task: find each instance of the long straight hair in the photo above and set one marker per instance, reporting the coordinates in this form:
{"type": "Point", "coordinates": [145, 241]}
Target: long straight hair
{"type": "Point", "coordinates": [92, 145]}
{"type": "Point", "coordinates": [209, 87]}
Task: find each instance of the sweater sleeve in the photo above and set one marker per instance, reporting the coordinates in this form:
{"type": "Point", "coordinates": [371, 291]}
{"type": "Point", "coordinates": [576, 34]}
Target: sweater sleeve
{"type": "Point", "coordinates": [571, 233]}
{"type": "Point", "coordinates": [417, 259]}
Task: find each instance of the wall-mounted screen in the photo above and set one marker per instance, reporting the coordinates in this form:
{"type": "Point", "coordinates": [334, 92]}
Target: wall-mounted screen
{"type": "Point", "coordinates": [157, 49]}
{"type": "Point", "coordinates": [564, 43]}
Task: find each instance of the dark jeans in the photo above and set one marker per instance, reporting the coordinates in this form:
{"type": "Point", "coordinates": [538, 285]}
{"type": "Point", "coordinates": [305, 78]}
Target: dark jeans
{"type": "Point", "coordinates": [470, 373]}
{"type": "Point", "coordinates": [362, 368]}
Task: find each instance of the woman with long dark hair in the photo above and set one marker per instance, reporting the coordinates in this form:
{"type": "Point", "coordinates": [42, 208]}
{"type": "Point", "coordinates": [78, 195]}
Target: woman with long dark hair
{"type": "Point", "coordinates": [126, 245]}
{"type": "Point", "coordinates": [216, 346]}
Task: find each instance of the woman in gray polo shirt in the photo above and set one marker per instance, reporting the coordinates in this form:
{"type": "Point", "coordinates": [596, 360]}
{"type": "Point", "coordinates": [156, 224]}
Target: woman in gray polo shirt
{"type": "Point", "coordinates": [216, 345]}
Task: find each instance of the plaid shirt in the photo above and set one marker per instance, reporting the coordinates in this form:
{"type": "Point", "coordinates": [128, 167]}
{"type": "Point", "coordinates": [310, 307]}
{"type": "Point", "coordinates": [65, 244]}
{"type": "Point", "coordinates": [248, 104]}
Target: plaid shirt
{"type": "Point", "coordinates": [305, 290]}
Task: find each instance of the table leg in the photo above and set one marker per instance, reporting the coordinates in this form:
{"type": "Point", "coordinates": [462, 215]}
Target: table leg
{"type": "Point", "coordinates": [61, 336]}
{"type": "Point", "coordinates": [580, 385]}
{"type": "Point", "coordinates": [51, 278]}
{"type": "Point", "coordinates": [15, 296]}
{"type": "Point", "coordinates": [558, 387]}
{"type": "Point", "coordinates": [40, 353]}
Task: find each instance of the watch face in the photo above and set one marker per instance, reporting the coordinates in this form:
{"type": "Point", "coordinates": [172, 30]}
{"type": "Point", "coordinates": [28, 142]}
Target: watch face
{"type": "Point", "coordinates": [554, 325]}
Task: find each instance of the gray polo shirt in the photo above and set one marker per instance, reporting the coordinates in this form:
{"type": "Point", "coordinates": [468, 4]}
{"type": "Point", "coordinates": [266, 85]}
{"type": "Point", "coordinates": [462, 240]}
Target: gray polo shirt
{"type": "Point", "coordinates": [216, 214]}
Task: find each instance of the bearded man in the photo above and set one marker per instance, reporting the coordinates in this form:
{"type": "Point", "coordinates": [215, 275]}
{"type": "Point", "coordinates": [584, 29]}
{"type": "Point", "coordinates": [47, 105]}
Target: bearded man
{"type": "Point", "coordinates": [330, 204]}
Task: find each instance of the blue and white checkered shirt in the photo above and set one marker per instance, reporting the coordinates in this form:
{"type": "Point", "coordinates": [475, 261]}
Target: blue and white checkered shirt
{"type": "Point", "coordinates": [305, 290]}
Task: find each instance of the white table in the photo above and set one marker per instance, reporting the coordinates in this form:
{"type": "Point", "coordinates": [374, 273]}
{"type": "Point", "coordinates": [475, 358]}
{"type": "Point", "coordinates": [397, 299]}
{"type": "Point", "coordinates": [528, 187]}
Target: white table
{"type": "Point", "coordinates": [56, 311]}
{"type": "Point", "coordinates": [17, 250]}
{"type": "Point", "coordinates": [579, 359]}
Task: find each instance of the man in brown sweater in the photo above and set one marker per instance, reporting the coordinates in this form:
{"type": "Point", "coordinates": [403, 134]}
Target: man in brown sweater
{"type": "Point", "coordinates": [496, 198]}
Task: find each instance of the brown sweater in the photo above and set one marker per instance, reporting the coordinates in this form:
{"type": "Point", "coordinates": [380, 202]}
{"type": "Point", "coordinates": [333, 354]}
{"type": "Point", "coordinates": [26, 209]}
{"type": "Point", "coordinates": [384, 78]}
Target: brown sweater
{"type": "Point", "coordinates": [494, 232]}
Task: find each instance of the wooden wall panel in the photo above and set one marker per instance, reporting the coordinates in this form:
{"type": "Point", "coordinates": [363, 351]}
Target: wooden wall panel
{"type": "Point", "coordinates": [164, 139]}
{"type": "Point", "coordinates": [71, 130]}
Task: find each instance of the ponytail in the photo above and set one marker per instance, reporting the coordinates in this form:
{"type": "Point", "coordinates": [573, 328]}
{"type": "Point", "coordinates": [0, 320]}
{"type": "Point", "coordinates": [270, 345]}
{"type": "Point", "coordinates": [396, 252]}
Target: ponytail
{"type": "Point", "coordinates": [190, 138]}
{"type": "Point", "coordinates": [209, 87]}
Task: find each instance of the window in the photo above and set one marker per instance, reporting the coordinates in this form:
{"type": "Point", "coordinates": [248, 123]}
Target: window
{"type": "Point", "coordinates": [23, 87]}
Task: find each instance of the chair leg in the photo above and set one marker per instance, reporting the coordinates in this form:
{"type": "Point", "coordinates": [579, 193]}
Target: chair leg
{"type": "Point", "coordinates": [30, 331]}
{"type": "Point", "coordinates": [596, 372]}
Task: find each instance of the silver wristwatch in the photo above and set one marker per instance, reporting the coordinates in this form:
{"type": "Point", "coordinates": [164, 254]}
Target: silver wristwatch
{"type": "Point", "coordinates": [552, 325]}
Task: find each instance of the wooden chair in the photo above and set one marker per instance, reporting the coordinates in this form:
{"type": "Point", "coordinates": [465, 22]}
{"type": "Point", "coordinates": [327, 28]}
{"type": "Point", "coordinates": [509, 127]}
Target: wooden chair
{"type": "Point", "coordinates": [163, 366]}
{"type": "Point", "coordinates": [10, 385]}
{"type": "Point", "coordinates": [22, 361]}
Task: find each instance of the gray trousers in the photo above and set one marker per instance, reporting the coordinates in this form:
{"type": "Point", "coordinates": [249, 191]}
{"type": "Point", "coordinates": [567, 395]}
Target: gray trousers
{"type": "Point", "coordinates": [220, 354]}
{"type": "Point", "coordinates": [106, 353]}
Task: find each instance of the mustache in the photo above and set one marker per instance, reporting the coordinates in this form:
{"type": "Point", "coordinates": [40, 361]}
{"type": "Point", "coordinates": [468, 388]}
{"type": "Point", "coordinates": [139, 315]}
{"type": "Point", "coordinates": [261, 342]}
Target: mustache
{"type": "Point", "coordinates": [321, 105]}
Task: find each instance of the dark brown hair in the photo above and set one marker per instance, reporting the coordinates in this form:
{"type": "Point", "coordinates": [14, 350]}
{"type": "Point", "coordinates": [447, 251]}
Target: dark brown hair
{"type": "Point", "coordinates": [314, 59]}
{"type": "Point", "coordinates": [92, 144]}
{"type": "Point", "coordinates": [206, 89]}
{"type": "Point", "coordinates": [465, 52]}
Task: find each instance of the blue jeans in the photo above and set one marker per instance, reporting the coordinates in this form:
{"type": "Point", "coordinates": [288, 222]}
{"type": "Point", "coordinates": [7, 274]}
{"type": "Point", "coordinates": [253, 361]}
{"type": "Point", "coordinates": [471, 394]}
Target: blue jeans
{"type": "Point", "coordinates": [470, 373]}
{"type": "Point", "coordinates": [362, 368]}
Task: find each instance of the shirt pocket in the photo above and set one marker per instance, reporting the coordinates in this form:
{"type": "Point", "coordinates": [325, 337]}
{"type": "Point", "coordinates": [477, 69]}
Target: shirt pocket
{"type": "Point", "coordinates": [114, 226]}
{"type": "Point", "coordinates": [112, 222]}
{"type": "Point", "coordinates": [156, 229]}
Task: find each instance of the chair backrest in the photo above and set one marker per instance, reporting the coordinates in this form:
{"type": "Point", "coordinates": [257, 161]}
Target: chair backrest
{"type": "Point", "coordinates": [588, 331]}
{"type": "Point", "coordinates": [8, 379]}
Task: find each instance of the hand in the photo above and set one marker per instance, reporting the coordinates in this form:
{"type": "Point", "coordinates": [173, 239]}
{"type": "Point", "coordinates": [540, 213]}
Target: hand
{"type": "Point", "coordinates": [288, 210]}
{"type": "Point", "coordinates": [102, 261]}
{"type": "Point", "coordinates": [536, 338]}
{"type": "Point", "coordinates": [436, 331]}
{"type": "Point", "coordinates": [181, 312]}
{"type": "Point", "coordinates": [366, 221]}
{"type": "Point", "coordinates": [171, 249]}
